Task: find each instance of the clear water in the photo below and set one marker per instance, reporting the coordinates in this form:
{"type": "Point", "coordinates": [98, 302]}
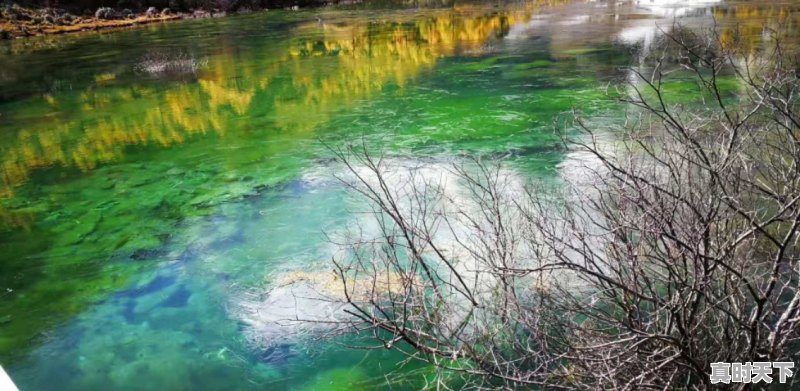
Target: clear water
{"type": "Point", "coordinates": [137, 211]}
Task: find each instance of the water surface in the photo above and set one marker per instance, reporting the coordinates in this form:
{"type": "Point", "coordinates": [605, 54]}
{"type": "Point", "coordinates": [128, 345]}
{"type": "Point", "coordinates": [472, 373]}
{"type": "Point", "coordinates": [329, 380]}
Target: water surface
{"type": "Point", "coordinates": [138, 211]}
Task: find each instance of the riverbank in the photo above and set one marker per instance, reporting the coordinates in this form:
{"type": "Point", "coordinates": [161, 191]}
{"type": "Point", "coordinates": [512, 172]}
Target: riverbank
{"type": "Point", "coordinates": [18, 21]}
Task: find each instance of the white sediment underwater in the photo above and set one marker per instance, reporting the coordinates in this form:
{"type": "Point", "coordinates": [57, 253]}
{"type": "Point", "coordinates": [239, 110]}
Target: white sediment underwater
{"type": "Point", "coordinates": [309, 301]}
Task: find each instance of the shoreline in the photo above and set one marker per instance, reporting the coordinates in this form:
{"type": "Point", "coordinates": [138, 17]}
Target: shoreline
{"type": "Point", "coordinates": [18, 22]}
{"type": "Point", "coordinates": [33, 30]}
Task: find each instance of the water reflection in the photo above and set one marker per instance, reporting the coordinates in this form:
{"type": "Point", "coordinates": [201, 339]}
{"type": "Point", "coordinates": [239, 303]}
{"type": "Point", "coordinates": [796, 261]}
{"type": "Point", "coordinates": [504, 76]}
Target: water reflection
{"type": "Point", "coordinates": [333, 66]}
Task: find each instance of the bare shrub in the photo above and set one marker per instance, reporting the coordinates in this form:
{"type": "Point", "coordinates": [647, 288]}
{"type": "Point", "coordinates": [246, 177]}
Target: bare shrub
{"type": "Point", "coordinates": [671, 244]}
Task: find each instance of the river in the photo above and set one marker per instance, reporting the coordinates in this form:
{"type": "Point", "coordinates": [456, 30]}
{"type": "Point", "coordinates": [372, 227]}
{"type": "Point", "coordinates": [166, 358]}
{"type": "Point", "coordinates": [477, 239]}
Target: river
{"type": "Point", "coordinates": [141, 211]}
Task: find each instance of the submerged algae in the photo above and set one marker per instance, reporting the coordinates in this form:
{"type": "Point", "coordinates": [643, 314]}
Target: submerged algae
{"type": "Point", "coordinates": [117, 220]}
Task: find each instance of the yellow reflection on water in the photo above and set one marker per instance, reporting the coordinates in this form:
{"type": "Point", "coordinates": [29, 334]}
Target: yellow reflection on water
{"type": "Point", "coordinates": [331, 66]}
{"type": "Point", "coordinates": [746, 24]}
{"type": "Point", "coordinates": [292, 85]}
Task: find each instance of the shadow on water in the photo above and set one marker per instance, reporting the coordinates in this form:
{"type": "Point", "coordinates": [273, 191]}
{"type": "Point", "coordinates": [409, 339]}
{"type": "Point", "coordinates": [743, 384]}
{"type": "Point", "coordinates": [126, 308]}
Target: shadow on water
{"type": "Point", "coordinates": [177, 299]}
{"type": "Point", "coordinates": [157, 284]}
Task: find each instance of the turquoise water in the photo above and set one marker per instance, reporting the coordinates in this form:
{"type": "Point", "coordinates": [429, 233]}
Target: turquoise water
{"type": "Point", "coordinates": [141, 214]}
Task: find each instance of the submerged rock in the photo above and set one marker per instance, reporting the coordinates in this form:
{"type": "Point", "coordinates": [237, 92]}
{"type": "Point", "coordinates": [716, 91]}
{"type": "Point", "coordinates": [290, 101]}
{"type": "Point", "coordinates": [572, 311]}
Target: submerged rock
{"type": "Point", "coordinates": [278, 355]}
{"type": "Point", "coordinates": [303, 303]}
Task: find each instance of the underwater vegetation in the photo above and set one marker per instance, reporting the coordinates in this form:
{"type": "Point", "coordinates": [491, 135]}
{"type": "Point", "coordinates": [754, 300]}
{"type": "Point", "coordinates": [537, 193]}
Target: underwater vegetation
{"type": "Point", "coordinates": [92, 193]}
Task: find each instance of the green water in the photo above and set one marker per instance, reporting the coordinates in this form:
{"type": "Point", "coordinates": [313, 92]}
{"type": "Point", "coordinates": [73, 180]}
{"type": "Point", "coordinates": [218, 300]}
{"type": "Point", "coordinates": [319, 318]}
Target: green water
{"type": "Point", "coordinates": [137, 211]}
